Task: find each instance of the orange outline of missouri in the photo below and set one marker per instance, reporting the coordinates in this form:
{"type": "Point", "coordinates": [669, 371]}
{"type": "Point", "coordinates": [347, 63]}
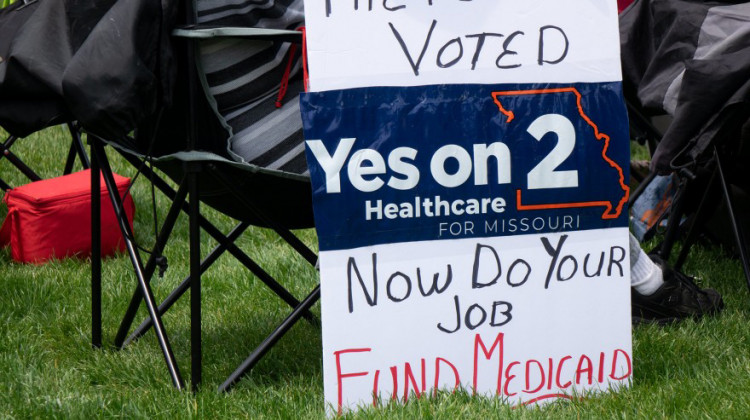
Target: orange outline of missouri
{"type": "Point", "coordinates": [609, 212]}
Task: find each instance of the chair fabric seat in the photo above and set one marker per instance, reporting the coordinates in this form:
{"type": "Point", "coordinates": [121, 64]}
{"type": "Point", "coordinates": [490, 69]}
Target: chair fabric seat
{"type": "Point", "coordinates": [287, 200]}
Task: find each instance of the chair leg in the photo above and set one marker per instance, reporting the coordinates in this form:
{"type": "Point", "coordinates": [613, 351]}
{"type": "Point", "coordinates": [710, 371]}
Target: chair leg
{"type": "Point", "coordinates": [227, 244]}
{"type": "Point", "coordinates": [196, 348]}
{"type": "Point", "coordinates": [300, 309]}
{"type": "Point", "coordinates": [96, 255]}
{"type": "Point", "coordinates": [736, 228]}
{"type": "Point", "coordinates": [161, 335]}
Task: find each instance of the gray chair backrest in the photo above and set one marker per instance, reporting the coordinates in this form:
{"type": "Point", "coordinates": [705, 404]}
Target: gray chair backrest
{"type": "Point", "coordinates": [243, 79]}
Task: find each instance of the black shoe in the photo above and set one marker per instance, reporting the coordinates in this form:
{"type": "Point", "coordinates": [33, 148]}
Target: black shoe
{"type": "Point", "coordinates": [678, 298]}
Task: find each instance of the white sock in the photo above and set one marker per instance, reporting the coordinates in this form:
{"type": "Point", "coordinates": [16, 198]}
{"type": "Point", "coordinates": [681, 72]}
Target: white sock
{"type": "Point", "coordinates": [645, 276]}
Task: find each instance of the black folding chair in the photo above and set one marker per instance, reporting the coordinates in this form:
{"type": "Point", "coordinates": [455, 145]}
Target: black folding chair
{"type": "Point", "coordinates": [231, 140]}
{"type": "Point", "coordinates": [713, 181]}
{"type": "Point", "coordinates": [674, 63]}
{"type": "Point", "coordinates": [703, 181]}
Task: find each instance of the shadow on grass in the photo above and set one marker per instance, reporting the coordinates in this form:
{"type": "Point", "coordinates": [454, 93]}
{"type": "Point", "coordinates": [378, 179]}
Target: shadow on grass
{"type": "Point", "coordinates": [228, 338]}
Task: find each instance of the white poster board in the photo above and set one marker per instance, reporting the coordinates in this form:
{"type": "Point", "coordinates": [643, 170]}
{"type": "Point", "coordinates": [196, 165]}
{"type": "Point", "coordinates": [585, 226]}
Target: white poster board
{"type": "Point", "coordinates": [469, 165]}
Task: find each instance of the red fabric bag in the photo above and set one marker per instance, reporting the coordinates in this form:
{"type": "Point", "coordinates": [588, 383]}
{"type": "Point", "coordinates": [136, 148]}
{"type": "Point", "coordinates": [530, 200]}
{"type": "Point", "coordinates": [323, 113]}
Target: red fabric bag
{"type": "Point", "coordinates": [52, 218]}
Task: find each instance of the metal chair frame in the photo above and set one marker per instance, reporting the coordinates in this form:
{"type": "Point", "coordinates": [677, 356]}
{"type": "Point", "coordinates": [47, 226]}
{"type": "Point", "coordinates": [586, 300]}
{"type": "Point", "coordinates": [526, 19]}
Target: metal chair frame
{"type": "Point", "coordinates": [76, 150]}
{"type": "Point", "coordinates": [187, 198]}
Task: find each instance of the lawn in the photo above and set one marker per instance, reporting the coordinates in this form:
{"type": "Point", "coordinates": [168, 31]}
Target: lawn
{"type": "Point", "coordinates": [48, 368]}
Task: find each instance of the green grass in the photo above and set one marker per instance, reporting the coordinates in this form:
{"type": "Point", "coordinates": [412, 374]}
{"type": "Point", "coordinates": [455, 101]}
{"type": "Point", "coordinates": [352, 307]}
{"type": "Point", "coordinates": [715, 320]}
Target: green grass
{"type": "Point", "coordinates": [49, 370]}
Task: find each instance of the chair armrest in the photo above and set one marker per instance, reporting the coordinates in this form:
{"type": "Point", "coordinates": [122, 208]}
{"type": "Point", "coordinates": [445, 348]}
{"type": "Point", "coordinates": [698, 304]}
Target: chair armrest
{"type": "Point", "coordinates": [204, 32]}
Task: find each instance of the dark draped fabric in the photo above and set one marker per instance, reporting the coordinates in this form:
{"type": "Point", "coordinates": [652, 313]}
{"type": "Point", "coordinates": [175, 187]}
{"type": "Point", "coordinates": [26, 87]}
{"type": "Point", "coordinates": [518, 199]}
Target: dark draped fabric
{"type": "Point", "coordinates": [689, 59]}
{"type": "Point", "coordinates": [105, 63]}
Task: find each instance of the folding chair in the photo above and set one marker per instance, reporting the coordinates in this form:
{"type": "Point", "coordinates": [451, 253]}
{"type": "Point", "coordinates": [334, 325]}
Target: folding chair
{"type": "Point", "coordinates": [689, 59]}
{"type": "Point", "coordinates": [713, 181]}
{"type": "Point", "coordinates": [230, 140]}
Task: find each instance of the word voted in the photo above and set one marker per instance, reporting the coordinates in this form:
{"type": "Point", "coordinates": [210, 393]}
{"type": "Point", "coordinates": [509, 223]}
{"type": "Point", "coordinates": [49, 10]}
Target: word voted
{"type": "Point", "coordinates": [366, 167]}
{"type": "Point", "coordinates": [452, 51]}
{"type": "Point", "coordinates": [507, 46]}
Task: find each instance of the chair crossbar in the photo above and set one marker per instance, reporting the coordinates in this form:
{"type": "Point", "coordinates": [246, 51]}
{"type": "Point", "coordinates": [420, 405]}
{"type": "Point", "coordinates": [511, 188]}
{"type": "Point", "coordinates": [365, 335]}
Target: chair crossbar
{"type": "Point", "coordinates": [298, 311]}
{"type": "Point", "coordinates": [269, 342]}
{"type": "Point", "coordinates": [226, 243]}
{"type": "Point", "coordinates": [184, 286]}
{"type": "Point", "coordinates": [76, 150]}
{"type": "Point", "coordinates": [701, 213]}
{"type": "Point", "coordinates": [288, 236]}
{"type": "Point", "coordinates": [16, 161]}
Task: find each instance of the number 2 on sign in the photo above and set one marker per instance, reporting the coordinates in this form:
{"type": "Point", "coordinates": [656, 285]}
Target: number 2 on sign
{"type": "Point", "coordinates": [544, 174]}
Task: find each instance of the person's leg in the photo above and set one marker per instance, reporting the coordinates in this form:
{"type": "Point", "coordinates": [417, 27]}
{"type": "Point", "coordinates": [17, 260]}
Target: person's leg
{"type": "Point", "coordinates": [660, 294]}
{"type": "Point", "coordinates": [645, 275]}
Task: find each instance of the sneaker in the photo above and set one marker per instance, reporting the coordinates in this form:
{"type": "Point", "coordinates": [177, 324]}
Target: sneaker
{"type": "Point", "coordinates": [678, 298]}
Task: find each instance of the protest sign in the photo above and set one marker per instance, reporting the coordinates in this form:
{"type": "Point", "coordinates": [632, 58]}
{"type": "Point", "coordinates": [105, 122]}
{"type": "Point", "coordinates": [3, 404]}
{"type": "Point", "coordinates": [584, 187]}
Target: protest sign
{"type": "Point", "coordinates": [469, 164]}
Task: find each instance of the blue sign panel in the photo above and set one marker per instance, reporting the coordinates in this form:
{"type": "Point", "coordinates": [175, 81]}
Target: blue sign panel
{"type": "Point", "coordinates": [456, 161]}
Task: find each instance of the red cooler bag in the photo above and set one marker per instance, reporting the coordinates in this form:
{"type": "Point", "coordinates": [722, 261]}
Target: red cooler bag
{"type": "Point", "coordinates": [52, 218]}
